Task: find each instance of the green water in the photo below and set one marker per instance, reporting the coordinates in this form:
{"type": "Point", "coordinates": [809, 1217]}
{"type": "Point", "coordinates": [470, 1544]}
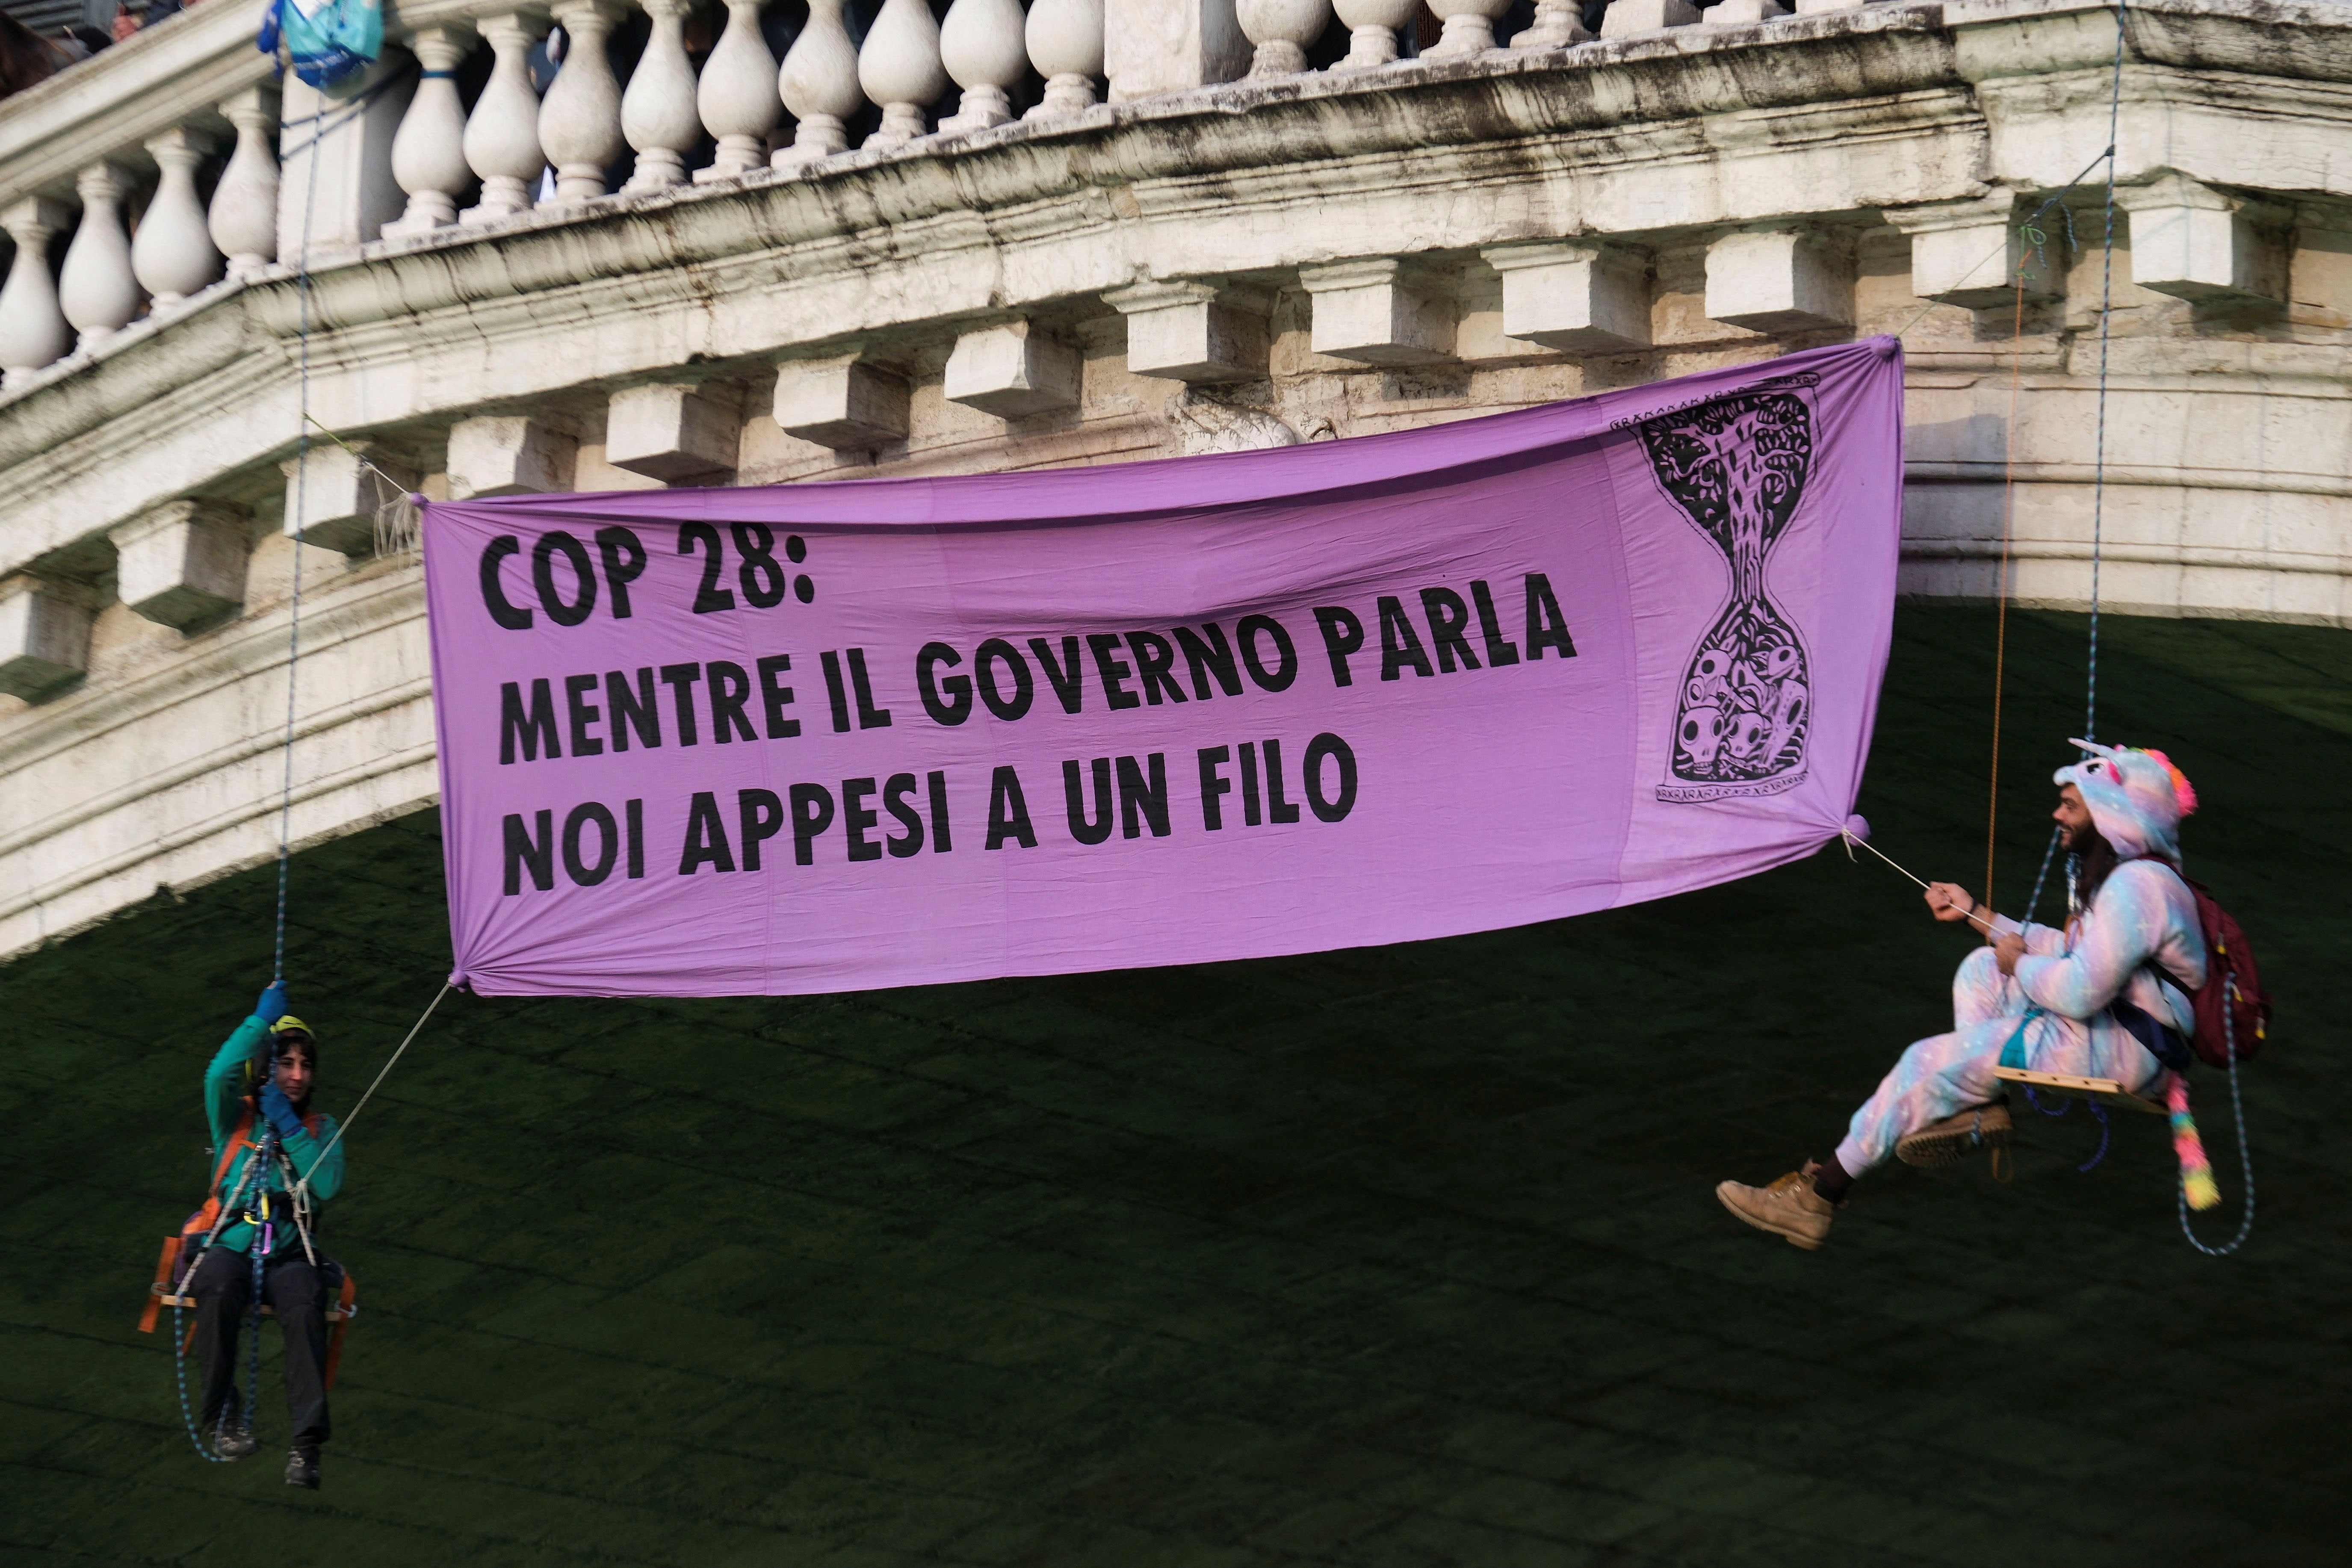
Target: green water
{"type": "Point", "coordinates": [1404, 1256]}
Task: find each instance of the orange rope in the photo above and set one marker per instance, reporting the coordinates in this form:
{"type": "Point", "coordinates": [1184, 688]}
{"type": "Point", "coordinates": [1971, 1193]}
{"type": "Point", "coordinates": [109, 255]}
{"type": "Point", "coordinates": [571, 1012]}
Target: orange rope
{"type": "Point", "coordinates": [2001, 582]}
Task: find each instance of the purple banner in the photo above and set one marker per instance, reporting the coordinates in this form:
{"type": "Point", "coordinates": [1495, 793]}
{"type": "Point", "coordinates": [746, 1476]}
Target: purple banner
{"type": "Point", "coordinates": [824, 737]}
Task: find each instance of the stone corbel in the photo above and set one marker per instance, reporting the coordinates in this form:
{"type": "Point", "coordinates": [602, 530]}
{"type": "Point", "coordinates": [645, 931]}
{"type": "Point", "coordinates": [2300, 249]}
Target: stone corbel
{"type": "Point", "coordinates": [2193, 242]}
{"type": "Point", "coordinates": [1779, 281]}
{"type": "Point", "coordinates": [44, 636]}
{"type": "Point", "coordinates": [842, 403]}
{"type": "Point", "coordinates": [332, 497]}
{"type": "Point", "coordinates": [1374, 312]}
{"type": "Point", "coordinates": [1969, 253]}
{"type": "Point", "coordinates": [1575, 297]}
{"type": "Point", "coordinates": [511, 455]}
{"type": "Point", "coordinates": [182, 564]}
{"type": "Point", "coordinates": [675, 431]}
{"type": "Point", "coordinates": [1194, 331]}
{"type": "Point", "coordinates": [1013, 369]}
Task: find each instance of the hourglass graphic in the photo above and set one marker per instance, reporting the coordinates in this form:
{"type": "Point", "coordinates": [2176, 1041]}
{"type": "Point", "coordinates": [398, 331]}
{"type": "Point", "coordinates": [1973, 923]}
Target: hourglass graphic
{"type": "Point", "coordinates": [1737, 467]}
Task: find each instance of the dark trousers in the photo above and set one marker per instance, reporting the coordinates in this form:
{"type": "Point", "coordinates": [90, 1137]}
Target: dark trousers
{"type": "Point", "coordinates": [223, 1285]}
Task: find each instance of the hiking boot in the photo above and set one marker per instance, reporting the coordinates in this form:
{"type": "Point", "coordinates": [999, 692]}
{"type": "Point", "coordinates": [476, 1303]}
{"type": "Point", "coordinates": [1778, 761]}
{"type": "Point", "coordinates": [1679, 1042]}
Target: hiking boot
{"type": "Point", "coordinates": [1789, 1207]}
{"type": "Point", "coordinates": [233, 1439]}
{"type": "Point", "coordinates": [302, 1468]}
{"type": "Point", "coordinates": [1955, 1137]}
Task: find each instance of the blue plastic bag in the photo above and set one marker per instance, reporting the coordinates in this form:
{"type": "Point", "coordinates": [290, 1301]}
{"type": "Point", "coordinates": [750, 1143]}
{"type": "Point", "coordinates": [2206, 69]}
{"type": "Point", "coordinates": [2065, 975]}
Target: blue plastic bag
{"type": "Point", "coordinates": [327, 42]}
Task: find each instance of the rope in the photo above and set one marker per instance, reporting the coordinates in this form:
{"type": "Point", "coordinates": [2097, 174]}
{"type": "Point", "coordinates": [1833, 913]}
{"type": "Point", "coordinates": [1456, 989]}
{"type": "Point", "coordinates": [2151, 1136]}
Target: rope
{"type": "Point", "coordinates": [302, 1191]}
{"type": "Point", "coordinates": [301, 516]}
{"type": "Point", "coordinates": [2106, 311]}
{"type": "Point", "coordinates": [259, 1252]}
{"type": "Point", "coordinates": [180, 1340]}
{"type": "Point", "coordinates": [362, 459]}
{"type": "Point", "coordinates": [2000, 577]}
{"type": "Point", "coordinates": [2032, 219]}
{"type": "Point", "coordinates": [2048, 852]}
{"type": "Point", "coordinates": [2245, 1150]}
{"type": "Point", "coordinates": [1850, 841]}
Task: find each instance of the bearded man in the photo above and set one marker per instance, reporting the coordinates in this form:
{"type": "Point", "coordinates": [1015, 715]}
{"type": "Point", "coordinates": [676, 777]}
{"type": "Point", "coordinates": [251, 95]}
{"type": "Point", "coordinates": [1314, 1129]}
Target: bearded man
{"type": "Point", "coordinates": [2099, 998]}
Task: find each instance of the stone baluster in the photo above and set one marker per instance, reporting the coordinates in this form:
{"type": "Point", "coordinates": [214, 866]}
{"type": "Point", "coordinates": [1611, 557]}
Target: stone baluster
{"type": "Point", "coordinates": [657, 112]}
{"type": "Point", "coordinates": [580, 119]}
{"type": "Point", "coordinates": [983, 46]}
{"type": "Point", "coordinates": [244, 214]}
{"type": "Point", "coordinates": [819, 85]}
{"type": "Point", "coordinates": [172, 256]}
{"type": "Point", "coordinates": [1066, 45]}
{"type": "Point", "coordinates": [33, 332]}
{"type": "Point", "coordinates": [1469, 27]}
{"type": "Point", "coordinates": [97, 289]}
{"type": "Point", "coordinates": [502, 134]}
{"type": "Point", "coordinates": [1372, 27]}
{"type": "Point", "coordinates": [899, 69]}
{"type": "Point", "coordinates": [1167, 45]}
{"type": "Point", "coordinates": [739, 94]}
{"type": "Point", "coordinates": [335, 187]}
{"type": "Point", "coordinates": [1631, 18]}
{"type": "Point", "coordinates": [1558, 23]}
{"type": "Point", "coordinates": [1282, 31]}
{"type": "Point", "coordinates": [429, 153]}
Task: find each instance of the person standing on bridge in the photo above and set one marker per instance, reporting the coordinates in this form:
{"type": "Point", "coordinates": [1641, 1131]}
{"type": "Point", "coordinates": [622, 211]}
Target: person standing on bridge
{"type": "Point", "coordinates": [278, 1053]}
{"type": "Point", "coordinates": [2052, 1000]}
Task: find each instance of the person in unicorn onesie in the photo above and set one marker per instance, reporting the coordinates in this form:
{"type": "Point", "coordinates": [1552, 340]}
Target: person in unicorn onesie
{"type": "Point", "coordinates": [2035, 996]}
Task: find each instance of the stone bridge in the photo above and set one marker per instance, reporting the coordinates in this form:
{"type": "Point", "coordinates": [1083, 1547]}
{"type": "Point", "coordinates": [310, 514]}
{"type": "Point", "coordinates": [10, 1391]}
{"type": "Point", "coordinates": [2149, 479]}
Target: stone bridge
{"type": "Point", "coordinates": [717, 251]}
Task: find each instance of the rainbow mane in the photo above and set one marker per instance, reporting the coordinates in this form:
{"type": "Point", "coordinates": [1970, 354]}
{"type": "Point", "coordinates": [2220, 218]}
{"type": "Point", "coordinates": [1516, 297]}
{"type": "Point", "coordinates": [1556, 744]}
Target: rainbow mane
{"type": "Point", "coordinates": [2182, 790]}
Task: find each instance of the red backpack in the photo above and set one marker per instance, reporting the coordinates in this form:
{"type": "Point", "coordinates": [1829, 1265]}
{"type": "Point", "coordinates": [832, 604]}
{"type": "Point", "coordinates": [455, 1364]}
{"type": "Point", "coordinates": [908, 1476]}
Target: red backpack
{"type": "Point", "coordinates": [2233, 1013]}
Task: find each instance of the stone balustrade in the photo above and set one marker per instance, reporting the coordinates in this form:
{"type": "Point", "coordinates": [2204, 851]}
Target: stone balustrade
{"type": "Point", "coordinates": [910, 238]}
{"type": "Point", "coordinates": [673, 120]}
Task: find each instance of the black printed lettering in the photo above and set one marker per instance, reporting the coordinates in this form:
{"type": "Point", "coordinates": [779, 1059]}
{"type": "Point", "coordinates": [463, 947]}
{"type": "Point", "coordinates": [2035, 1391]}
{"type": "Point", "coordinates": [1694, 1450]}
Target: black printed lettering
{"type": "Point", "coordinates": [1008, 812]}
{"type": "Point", "coordinates": [1086, 827]}
{"type": "Point", "coordinates": [812, 815]}
{"type": "Point", "coordinates": [526, 730]}
{"type": "Point", "coordinates": [759, 816]}
{"type": "Point", "coordinates": [731, 693]}
{"type": "Point", "coordinates": [680, 679]}
{"type": "Point", "coordinates": [530, 851]}
{"type": "Point", "coordinates": [632, 710]}
{"type": "Point", "coordinates": [894, 801]}
{"type": "Point", "coordinates": [1400, 644]}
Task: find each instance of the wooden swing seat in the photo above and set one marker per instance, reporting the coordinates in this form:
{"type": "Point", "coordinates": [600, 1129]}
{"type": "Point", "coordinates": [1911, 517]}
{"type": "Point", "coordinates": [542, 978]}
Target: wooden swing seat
{"type": "Point", "coordinates": [335, 1314]}
{"type": "Point", "coordinates": [2104, 1090]}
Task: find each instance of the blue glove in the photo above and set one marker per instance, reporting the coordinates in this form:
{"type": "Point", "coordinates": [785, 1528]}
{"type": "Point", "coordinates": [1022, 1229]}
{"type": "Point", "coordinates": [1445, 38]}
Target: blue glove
{"type": "Point", "coordinates": [272, 1006]}
{"type": "Point", "coordinates": [279, 1111]}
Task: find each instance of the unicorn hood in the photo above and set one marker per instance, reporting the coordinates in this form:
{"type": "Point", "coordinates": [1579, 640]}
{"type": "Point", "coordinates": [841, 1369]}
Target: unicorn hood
{"type": "Point", "coordinates": [2137, 799]}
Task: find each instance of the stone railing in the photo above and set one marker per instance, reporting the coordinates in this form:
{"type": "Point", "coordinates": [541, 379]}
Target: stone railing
{"type": "Point", "coordinates": [399, 155]}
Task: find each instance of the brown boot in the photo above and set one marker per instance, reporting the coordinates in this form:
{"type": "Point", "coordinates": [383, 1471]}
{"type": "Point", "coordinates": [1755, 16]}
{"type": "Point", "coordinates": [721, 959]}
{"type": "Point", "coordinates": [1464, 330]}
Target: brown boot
{"type": "Point", "coordinates": [1979, 1127]}
{"type": "Point", "coordinates": [1789, 1207]}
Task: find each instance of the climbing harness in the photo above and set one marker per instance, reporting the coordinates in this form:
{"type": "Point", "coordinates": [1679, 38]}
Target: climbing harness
{"type": "Point", "coordinates": [265, 1209]}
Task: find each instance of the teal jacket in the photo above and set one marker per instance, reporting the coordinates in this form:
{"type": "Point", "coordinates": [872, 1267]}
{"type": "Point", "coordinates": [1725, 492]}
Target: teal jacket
{"type": "Point", "coordinates": [227, 1106]}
